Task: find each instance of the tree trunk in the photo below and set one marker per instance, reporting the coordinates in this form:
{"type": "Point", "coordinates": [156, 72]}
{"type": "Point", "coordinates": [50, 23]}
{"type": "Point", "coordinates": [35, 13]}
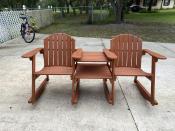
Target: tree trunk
{"type": "Point", "coordinates": [87, 8]}
{"type": "Point", "coordinates": [90, 13]}
{"type": "Point", "coordinates": [74, 10]}
{"type": "Point", "coordinates": [150, 5]}
{"type": "Point", "coordinates": [62, 3]}
{"type": "Point", "coordinates": [62, 12]}
{"type": "Point", "coordinates": [137, 2]}
{"type": "Point", "coordinates": [118, 10]}
{"type": "Point", "coordinates": [67, 6]}
{"type": "Point", "coordinates": [119, 15]}
{"type": "Point", "coordinates": [81, 4]}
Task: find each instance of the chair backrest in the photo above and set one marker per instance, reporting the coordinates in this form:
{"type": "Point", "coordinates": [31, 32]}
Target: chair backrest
{"type": "Point", "coordinates": [128, 48]}
{"type": "Point", "coordinates": [58, 49]}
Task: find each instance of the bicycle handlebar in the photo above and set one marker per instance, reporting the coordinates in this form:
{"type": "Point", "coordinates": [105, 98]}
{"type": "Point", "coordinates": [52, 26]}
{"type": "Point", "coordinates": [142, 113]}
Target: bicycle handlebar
{"type": "Point", "coordinates": [23, 16]}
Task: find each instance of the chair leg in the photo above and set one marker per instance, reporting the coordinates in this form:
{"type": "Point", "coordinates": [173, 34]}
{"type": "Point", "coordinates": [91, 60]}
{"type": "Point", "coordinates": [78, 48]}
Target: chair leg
{"type": "Point", "coordinates": [109, 95]}
{"type": "Point", "coordinates": [36, 93]}
{"type": "Point", "coordinates": [75, 90]}
{"type": "Point", "coordinates": [71, 77]}
{"type": "Point", "coordinates": [33, 90]}
{"type": "Point", "coordinates": [73, 94]}
{"type": "Point", "coordinates": [113, 92]}
{"type": "Point", "coordinates": [47, 76]}
{"type": "Point", "coordinates": [153, 91]}
{"type": "Point", "coordinates": [78, 84]}
{"type": "Point", "coordinates": [148, 96]}
{"type": "Point", "coordinates": [135, 79]}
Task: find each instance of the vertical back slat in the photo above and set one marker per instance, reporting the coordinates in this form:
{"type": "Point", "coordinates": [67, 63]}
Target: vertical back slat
{"type": "Point", "coordinates": [112, 47]}
{"type": "Point", "coordinates": [46, 44]}
{"type": "Point", "coordinates": [64, 49]}
{"type": "Point", "coordinates": [117, 50]}
{"type": "Point", "coordinates": [139, 53]}
{"type": "Point", "coordinates": [72, 49]}
{"type": "Point", "coordinates": [51, 51]}
{"type": "Point", "coordinates": [120, 51]}
{"type": "Point", "coordinates": [69, 51]}
{"type": "Point", "coordinates": [55, 51]}
{"type": "Point", "coordinates": [134, 48]}
{"type": "Point", "coordinates": [129, 51]}
{"type": "Point", "coordinates": [60, 50]}
{"type": "Point", "coordinates": [125, 51]}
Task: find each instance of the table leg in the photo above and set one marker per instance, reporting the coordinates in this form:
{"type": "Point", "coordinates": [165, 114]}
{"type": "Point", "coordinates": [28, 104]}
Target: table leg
{"type": "Point", "coordinates": [75, 90]}
{"type": "Point", "coordinates": [109, 95]}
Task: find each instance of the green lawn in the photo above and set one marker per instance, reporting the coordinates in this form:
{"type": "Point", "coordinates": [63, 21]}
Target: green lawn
{"type": "Point", "coordinates": [158, 27]}
{"type": "Point", "coordinates": [162, 17]}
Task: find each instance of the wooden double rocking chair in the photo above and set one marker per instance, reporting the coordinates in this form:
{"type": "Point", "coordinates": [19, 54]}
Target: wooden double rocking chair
{"type": "Point", "coordinates": [124, 59]}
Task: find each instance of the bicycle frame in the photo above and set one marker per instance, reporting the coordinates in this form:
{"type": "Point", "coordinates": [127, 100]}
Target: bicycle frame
{"type": "Point", "coordinates": [24, 26]}
{"type": "Point", "coordinates": [26, 29]}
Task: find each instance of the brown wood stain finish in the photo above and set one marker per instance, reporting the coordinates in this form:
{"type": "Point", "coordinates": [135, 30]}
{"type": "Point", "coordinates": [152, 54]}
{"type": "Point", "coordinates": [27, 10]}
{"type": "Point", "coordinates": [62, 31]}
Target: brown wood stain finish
{"type": "Point", "coordinates": [128, 49]}
{"type": "Point", "coordinates": [57, 52]}
{"type": "Point", "coordinates": [122, 59]}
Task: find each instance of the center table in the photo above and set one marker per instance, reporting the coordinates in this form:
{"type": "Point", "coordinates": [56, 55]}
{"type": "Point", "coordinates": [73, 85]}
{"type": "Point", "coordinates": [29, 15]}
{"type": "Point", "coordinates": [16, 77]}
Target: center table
{"type": "Point", "coordinates": [92, 65]}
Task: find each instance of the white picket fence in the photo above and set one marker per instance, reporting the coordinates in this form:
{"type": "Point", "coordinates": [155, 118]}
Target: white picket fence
{"type": "Point", "coordinates": [10, 22]}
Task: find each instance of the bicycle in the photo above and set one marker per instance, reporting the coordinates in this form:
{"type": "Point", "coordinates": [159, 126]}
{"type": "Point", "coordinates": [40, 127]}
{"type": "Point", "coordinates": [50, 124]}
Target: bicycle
{"type": "Point", "coordinates": [27, 31]}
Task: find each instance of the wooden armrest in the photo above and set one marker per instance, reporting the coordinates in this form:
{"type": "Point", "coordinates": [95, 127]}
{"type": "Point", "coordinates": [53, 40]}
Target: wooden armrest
{"type": "Point", "coordinates": [110, 55]}
{"type": "Point", "coordinates": [77, 54]}
{"type": "Point", "coordinates": [153, 54]}
{"type": "Point", "coordinates": [32, 53]}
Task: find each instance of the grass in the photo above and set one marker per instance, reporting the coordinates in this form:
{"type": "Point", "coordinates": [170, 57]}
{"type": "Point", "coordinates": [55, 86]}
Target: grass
{"type": "Point", "coordinates": [157, 27]}
{"type": "Point", "coordinates": [162, 17]}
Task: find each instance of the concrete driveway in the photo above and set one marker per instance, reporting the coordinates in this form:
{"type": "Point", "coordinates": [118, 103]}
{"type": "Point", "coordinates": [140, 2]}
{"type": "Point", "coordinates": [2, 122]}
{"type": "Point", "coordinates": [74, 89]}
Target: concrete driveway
{"type": "Point", "coordinates": [54, 111]}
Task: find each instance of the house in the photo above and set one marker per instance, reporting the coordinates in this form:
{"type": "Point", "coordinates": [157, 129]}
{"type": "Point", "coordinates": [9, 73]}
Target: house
{"type": "Point", "coordinates": [158, 4]}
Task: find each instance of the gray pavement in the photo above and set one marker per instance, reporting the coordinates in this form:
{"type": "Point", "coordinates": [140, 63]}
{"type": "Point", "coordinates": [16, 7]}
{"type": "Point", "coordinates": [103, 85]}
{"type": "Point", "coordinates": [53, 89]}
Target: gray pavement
{"type": "Point", "coordinates": [92, 113]}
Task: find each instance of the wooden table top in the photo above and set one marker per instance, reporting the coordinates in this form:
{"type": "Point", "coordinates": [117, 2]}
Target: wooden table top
{"type": "Point", "coordinates": [93, 57]}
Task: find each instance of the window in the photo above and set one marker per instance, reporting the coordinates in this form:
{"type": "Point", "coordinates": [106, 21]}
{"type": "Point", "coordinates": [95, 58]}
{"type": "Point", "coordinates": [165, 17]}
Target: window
{"type": "Point", "coordinates": [166, 2]}
{"type": "Point", "coordinates": [146, 2]}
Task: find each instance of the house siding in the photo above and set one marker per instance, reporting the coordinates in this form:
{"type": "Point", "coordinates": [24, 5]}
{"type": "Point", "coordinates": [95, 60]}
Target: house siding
{"type": "Point", "coordinates": [160, 4]}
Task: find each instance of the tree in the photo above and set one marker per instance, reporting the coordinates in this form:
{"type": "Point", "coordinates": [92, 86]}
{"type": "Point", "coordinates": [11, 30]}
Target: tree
{"type": "Point", "coordinates": [118, 7]}
{"type": "Point", "coordinates": [81, 4]}
{"type": "Point", "coordinates": [18, 3]}
{"type": "Point", "coordinates": [150, 5]}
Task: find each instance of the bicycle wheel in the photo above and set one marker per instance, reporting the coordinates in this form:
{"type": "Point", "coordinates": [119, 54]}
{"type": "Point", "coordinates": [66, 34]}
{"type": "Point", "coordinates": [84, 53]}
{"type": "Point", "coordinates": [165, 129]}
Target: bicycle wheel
{"type": "Point", "coordinates": [29, 35]}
